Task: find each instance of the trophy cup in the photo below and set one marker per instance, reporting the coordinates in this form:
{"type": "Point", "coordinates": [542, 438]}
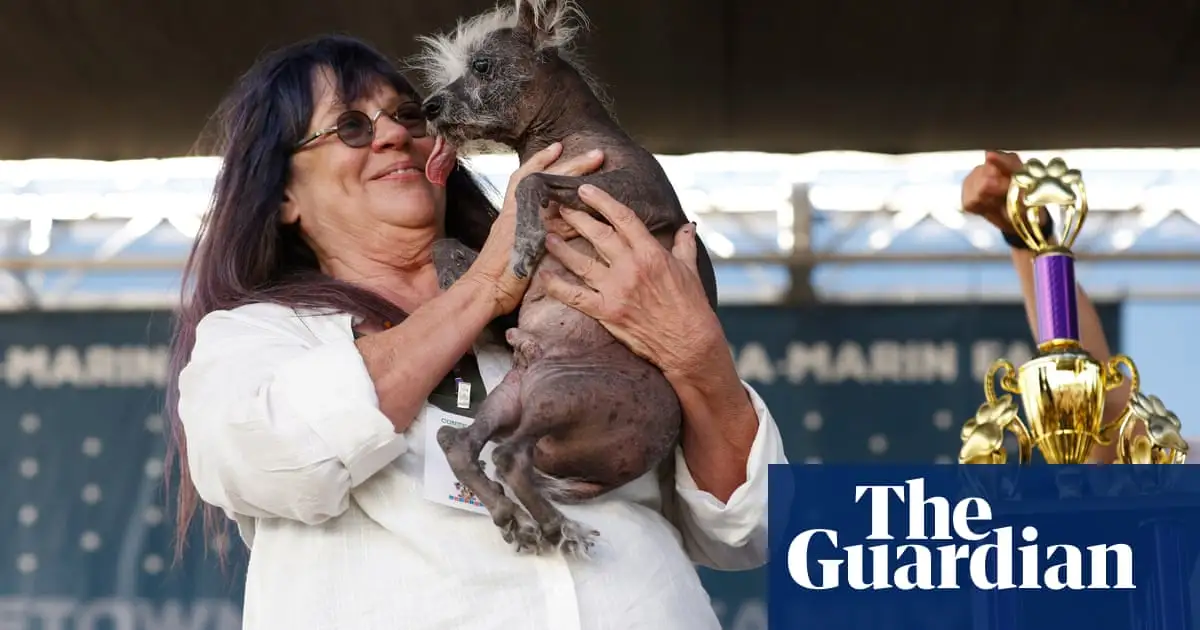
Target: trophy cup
{"type": "Point", "coordinates": [1063, 388]}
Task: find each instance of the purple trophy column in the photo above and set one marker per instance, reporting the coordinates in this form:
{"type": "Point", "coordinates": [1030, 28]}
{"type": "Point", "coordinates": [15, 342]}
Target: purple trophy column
{"type": "Point", "coordinates": [1054, 288]}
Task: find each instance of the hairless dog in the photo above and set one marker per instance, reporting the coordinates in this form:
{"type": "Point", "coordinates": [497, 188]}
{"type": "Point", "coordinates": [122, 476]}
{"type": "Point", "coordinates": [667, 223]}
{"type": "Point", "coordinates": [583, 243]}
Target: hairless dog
{"type": "Point", "coordinates": [579, 414]}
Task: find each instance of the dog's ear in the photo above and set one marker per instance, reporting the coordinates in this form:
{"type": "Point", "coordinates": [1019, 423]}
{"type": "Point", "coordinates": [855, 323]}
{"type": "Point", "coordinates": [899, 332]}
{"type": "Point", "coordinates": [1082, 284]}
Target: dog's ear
{"type": "Point", "coordinates": [526, 16]}
{"type": "Point", "coordinates": [541, 20]}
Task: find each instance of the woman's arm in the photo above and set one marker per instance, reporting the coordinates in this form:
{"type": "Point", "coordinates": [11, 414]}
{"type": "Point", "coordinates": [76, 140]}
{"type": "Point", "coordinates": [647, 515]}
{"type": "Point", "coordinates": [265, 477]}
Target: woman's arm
{"type": "Point", "coordinates": [280, 417]}
{"type": "Point", "coordinates": [408, 360]}
{"type": "Point", "coordinates": [720, 419]}
{"type": "Point", "coordinates": [729, 442]}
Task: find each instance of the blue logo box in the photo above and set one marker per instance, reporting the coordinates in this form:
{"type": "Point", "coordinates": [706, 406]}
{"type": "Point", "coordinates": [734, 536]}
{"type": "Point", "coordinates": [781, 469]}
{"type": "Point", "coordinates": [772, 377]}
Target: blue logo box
{"type": "Point", "coordinates": [983, 547]}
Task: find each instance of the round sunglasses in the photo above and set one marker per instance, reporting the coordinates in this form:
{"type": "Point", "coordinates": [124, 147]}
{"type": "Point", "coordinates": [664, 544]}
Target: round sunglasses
{"type": "Point", "coordinates": [356, 129]}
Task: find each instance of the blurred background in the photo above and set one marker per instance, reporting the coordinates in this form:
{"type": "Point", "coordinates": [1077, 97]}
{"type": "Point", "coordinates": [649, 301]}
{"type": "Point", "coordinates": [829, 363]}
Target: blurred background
{"type": "Point", "coordinates": [820, 147]}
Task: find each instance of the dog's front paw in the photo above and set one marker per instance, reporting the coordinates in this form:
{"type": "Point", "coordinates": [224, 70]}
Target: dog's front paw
{"type": "Point", "coordinates": [451, 259]}
{"type": "Point", "coordinates": [522, 263]}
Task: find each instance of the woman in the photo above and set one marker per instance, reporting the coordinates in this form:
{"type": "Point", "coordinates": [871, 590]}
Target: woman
{"type": "Point", "coordinates": [314, 342]}
{"type": "Point", "coordinates": [984, 192]}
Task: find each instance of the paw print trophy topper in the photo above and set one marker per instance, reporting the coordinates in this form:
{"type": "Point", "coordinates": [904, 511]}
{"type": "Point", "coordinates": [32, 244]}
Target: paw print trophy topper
{"type": "Point", "coordinates": [1040, 187]}
{"type": "Point", "coordinates": [1063, 388]}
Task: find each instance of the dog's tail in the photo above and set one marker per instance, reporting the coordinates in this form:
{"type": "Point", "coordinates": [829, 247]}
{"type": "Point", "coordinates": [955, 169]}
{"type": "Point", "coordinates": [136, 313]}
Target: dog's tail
{"type": "Point", "coordinates": [568, 491]}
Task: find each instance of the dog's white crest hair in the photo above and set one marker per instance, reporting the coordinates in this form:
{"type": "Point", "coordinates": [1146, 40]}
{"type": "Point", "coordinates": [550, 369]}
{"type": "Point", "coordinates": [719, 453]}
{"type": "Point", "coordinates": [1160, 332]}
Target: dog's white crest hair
{"type": "Point", "coordinates": [445, 57]}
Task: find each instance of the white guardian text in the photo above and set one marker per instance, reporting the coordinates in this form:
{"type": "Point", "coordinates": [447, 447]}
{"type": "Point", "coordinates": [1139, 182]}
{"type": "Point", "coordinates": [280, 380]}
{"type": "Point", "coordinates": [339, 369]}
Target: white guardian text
{"type": "Point", "coordinates": [944, 543]}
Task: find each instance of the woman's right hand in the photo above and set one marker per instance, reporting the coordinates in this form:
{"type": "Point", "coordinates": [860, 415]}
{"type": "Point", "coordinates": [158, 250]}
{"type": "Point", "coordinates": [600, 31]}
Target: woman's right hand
{"type": "Point", "coordinates": [985, 189]}
{"type": "Point", "coordinates": [493, 266]}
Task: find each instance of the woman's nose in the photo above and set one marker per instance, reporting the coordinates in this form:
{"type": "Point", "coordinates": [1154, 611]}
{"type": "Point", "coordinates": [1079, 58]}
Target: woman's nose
{"type": "Point", "coordinates": [390, 134]}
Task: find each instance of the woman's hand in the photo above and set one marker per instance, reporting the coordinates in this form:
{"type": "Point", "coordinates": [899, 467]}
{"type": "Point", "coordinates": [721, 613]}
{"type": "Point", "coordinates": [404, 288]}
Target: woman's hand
{"type": "Point", "coordinates": [648, 298]}
{"type": "Point", "coordinates": [493, 268]}
{"type": "Point", "coordinates": [652, 301]}
{"type": "Point", "coordinates": [985, 189]}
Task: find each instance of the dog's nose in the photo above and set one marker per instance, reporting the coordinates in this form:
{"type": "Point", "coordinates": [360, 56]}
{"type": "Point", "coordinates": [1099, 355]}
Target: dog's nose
{"type": "Point", "coordinates": [432, 107]}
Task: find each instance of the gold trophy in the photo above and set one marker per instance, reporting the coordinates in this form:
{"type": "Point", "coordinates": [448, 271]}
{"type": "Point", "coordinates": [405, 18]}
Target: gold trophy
{"type": "Point", "coordinates": [1063, 388]}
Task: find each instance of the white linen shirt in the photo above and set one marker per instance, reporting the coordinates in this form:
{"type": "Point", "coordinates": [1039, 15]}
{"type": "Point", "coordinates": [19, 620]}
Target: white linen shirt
{"type": "Point", "coordinates": [284, 433]}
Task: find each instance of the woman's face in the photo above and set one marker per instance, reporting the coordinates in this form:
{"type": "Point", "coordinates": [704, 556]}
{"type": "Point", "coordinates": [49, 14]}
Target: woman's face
{"type": "Point", "coordinates": [341, 194]}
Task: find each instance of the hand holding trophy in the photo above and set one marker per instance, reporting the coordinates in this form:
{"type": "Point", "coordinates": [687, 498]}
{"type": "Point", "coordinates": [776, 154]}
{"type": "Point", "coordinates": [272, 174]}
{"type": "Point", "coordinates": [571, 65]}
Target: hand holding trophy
{"type": "Point", "coordinates": [1063, 387]}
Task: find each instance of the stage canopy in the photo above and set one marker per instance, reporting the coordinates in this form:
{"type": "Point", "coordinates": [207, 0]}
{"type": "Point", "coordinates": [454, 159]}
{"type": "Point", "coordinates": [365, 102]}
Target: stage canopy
{"type": "Point", "coordinates": [129, 79]}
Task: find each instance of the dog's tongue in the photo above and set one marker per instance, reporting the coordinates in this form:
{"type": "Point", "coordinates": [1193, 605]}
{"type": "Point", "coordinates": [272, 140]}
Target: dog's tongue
{"type": "Point", "coordinates": [441, 162]}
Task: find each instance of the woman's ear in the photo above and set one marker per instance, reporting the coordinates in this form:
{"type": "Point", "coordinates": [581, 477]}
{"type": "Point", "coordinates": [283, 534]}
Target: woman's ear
{"type": "Point", "coordinates": [289, 211]}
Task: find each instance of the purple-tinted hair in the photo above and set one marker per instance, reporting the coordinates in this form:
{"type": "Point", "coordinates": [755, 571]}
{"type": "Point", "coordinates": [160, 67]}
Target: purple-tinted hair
{"type": "Point", "coordinates": [243, 254]}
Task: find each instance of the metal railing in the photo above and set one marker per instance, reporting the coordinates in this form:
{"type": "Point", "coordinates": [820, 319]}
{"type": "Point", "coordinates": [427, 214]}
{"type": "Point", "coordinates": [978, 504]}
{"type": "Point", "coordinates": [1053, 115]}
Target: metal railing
{"type": "Point", "coordinates": [785, 224]}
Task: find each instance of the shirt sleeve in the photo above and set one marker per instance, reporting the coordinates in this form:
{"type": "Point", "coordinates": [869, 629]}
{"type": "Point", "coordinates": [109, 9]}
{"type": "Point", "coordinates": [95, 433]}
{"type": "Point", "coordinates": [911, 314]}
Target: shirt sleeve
{"type": "Point", "coordinates": [732, 535]}
{"type": "Point", "coordinates": [278, 424]}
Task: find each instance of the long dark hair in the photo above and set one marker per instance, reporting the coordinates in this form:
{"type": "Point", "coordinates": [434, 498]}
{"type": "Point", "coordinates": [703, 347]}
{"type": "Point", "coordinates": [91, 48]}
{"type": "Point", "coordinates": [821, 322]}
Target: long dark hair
{"type": "Point", "coordinates": [243, 254]}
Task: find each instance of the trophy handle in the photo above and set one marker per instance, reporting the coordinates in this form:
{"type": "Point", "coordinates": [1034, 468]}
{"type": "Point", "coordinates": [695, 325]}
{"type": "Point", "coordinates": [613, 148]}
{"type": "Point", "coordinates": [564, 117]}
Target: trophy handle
{"type": "Point", "coordinates": [1009, 384]}
{"type": "Point", "coordinates": [1113, 378]}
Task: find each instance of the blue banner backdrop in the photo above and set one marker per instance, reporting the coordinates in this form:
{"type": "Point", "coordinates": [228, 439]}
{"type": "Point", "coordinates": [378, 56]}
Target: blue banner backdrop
{"type": "Point", "coordinates": [983, 547]}
{"type": "Point", "coordinates": [85, 537]}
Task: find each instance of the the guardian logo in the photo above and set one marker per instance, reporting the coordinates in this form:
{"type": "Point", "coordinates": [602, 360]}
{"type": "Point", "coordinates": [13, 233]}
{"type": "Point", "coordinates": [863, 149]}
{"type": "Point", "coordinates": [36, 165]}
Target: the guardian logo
{"type": "Point", "coordinates": [991, 556]}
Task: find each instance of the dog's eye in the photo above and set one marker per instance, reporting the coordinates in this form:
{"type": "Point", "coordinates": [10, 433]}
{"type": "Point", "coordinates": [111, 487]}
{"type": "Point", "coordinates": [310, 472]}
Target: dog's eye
{"type": "Point", "coordinates": [481, 66]}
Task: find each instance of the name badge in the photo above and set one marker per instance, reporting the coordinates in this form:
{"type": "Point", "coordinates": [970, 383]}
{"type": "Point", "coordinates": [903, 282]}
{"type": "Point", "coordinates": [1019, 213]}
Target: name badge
{"type": "Point", "coordinates": [463, 392]}
{"type": "Point", "coordinates": [441, 486]}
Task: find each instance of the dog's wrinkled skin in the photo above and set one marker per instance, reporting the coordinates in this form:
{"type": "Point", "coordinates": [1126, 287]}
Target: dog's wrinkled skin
{"type": "Point", "coordinates": [579, 414]}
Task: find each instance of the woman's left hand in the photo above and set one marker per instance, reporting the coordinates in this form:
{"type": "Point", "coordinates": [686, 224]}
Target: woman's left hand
{"type": "Point", "coordinates": [649, 298]}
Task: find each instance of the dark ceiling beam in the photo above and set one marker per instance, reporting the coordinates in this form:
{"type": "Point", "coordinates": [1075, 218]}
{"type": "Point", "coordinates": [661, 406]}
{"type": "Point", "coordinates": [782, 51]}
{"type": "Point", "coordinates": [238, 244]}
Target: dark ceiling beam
{"type": "Point", "coordinates": [137, 78]}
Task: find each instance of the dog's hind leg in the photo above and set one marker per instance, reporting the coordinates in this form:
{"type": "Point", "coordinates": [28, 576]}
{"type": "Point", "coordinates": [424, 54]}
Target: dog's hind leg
{"type": "Point", "coordinates": [568, 491]}
{"type": "Point", "coordinates": [514, 463]}
{"type": "Point", "coordinates": [500, 413]}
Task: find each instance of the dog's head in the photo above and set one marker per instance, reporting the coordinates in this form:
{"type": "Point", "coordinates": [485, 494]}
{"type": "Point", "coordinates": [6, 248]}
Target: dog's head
{"type": "Point", "coordinates": [487, 79]}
